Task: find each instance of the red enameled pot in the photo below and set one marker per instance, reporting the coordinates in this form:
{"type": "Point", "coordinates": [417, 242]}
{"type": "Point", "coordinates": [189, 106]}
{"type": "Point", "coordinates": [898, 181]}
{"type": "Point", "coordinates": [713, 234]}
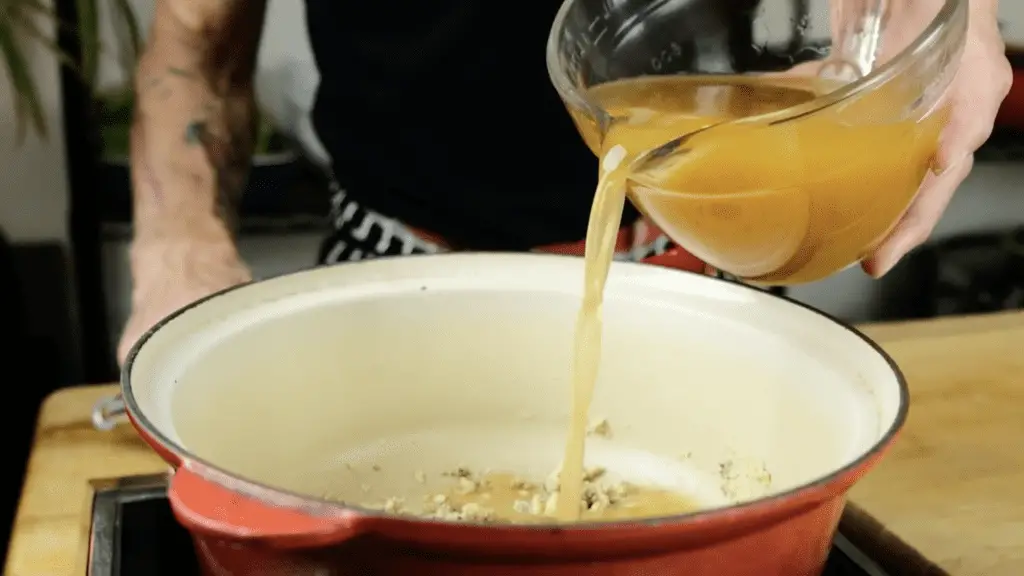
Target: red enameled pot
{"type": "Point", "coordinates": [278, 400]}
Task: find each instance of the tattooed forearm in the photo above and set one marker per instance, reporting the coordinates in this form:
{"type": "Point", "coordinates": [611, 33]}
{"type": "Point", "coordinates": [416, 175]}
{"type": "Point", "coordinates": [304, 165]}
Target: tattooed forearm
{"type": "Point", "coordinates": [174, 70]}
{"type": "Point", "coordinates": [195, 117]}
{"type": "Point", "coordinates": [228, 154]}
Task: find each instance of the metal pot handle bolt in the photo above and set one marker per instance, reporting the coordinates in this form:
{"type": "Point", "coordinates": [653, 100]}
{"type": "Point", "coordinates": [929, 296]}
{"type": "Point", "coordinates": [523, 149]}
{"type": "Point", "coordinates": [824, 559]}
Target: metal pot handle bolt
{"type": "Point", "coordinates": [107, 412]}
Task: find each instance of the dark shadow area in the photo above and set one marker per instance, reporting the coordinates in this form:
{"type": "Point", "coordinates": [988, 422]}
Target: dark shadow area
{"type": "Point", "coordinates": [967, 274]}
{"type": "Point", "coordinates": [82, 145]}
{"type": "Point", "coordinates": [39, 354]}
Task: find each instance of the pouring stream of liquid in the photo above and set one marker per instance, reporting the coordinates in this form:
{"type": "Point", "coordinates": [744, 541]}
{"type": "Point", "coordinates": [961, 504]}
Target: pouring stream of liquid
{"type": "Point", "coordinates": [855, 58]}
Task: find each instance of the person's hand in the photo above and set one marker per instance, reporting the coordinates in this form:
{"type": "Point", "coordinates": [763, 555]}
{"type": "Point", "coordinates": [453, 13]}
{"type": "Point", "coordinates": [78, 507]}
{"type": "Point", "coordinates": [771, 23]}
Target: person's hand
{"type": "Point", "coordinates": [978, 89]}
{"type": "Point", "coordinates": [170, 274]}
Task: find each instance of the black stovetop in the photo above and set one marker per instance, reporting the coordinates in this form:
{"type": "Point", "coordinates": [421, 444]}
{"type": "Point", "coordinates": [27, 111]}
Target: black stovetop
{"type": "Point", "coordinates": [134, 533]}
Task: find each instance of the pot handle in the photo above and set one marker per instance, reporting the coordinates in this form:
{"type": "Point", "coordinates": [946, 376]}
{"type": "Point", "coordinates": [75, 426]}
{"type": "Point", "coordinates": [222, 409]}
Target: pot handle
{"type": "Point", "coordinates": [206, 505]}
{"type": "Point", "coordinates": [106, 412]}
{"type": "Point", "coordinates": [676, 257]}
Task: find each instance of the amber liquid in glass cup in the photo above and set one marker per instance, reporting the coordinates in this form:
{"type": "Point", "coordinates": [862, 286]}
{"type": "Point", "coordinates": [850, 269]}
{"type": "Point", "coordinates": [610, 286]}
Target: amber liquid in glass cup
{"type": "Point", "coordinates": [765, 157]}
{"type": "Point", "coordinates": [819, 170]}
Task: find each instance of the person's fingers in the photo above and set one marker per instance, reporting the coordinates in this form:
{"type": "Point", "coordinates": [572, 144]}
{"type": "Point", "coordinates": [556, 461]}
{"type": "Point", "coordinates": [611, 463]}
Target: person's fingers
{"type": "Point", "coordinates": [970, 125]}
{"type": "Point", "coordinates": [982, 82]}
{"type": "Point", "coordinates": [920, 219]}
{"type": "Point", "coordinates": [973, 99]}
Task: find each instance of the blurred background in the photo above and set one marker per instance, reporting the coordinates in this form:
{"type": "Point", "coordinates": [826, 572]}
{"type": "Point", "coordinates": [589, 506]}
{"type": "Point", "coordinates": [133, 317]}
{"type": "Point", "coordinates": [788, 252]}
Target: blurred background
{"type": "Point", "coordinates": [65, 204]}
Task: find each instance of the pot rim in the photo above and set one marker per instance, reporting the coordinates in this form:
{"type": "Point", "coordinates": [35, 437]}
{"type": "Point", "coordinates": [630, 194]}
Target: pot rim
{"type": "Point", "coordinates": [758, 507]}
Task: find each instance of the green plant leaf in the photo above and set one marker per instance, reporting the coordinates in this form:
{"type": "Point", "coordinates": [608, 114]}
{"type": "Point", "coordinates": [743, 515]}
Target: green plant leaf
{"type": "Point", "coordinates": [28, 26]}
{"type": "Point", "coordinates": [37, 6]}
{"type": "Point", "coordinates": [130, 53]}
{"type": "Point", "coordinates": [27, 105]}
{"type": "Point", "coordinates": [89, 39]}
{"type": "Point", "coordinates": [25, 13]}
{"type": "Point", "coordinates": [22, 20]}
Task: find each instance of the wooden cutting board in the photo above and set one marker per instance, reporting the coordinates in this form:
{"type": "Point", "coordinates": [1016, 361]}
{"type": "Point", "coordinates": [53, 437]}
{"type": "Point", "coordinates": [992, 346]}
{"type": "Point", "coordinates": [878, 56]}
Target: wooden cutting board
{"type": "Point", "coordinates": [948, 499]}
{"type": "Point", "coordinates": [953, 485]}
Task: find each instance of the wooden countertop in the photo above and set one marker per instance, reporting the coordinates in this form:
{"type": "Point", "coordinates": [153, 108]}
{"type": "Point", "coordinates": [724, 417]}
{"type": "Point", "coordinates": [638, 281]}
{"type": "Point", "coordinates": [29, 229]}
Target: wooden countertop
{"type": "Point", "coordinates": [952, 488]}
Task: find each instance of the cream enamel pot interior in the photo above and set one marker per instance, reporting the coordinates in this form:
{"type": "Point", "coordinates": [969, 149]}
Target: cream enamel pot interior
{"type": "Point", "coordinates": [277, 399]}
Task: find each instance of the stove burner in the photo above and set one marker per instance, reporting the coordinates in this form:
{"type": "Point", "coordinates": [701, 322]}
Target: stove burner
{"type": "Point", "coordinates": [134, 533]}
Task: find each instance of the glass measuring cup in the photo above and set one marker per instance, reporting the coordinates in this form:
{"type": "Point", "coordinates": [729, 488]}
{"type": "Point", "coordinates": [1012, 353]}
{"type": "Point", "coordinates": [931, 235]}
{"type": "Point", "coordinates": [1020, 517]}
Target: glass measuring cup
{"type": "Point", "coordinates": [828, 113]}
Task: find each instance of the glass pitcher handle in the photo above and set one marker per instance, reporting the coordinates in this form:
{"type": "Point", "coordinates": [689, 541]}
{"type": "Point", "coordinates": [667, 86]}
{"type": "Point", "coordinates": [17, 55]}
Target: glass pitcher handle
{"type": "Point", "coordinates": [857, 27]}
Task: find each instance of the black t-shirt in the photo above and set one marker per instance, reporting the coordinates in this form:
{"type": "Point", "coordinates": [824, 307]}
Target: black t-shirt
{"type": "Point", "coordinates": [440, 113]}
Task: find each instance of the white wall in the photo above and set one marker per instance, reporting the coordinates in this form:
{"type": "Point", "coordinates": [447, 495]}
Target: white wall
{"type": "Point", "coordinates": [1011, 14]}
{"type": "Point", "coordinates": [33, 185]}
